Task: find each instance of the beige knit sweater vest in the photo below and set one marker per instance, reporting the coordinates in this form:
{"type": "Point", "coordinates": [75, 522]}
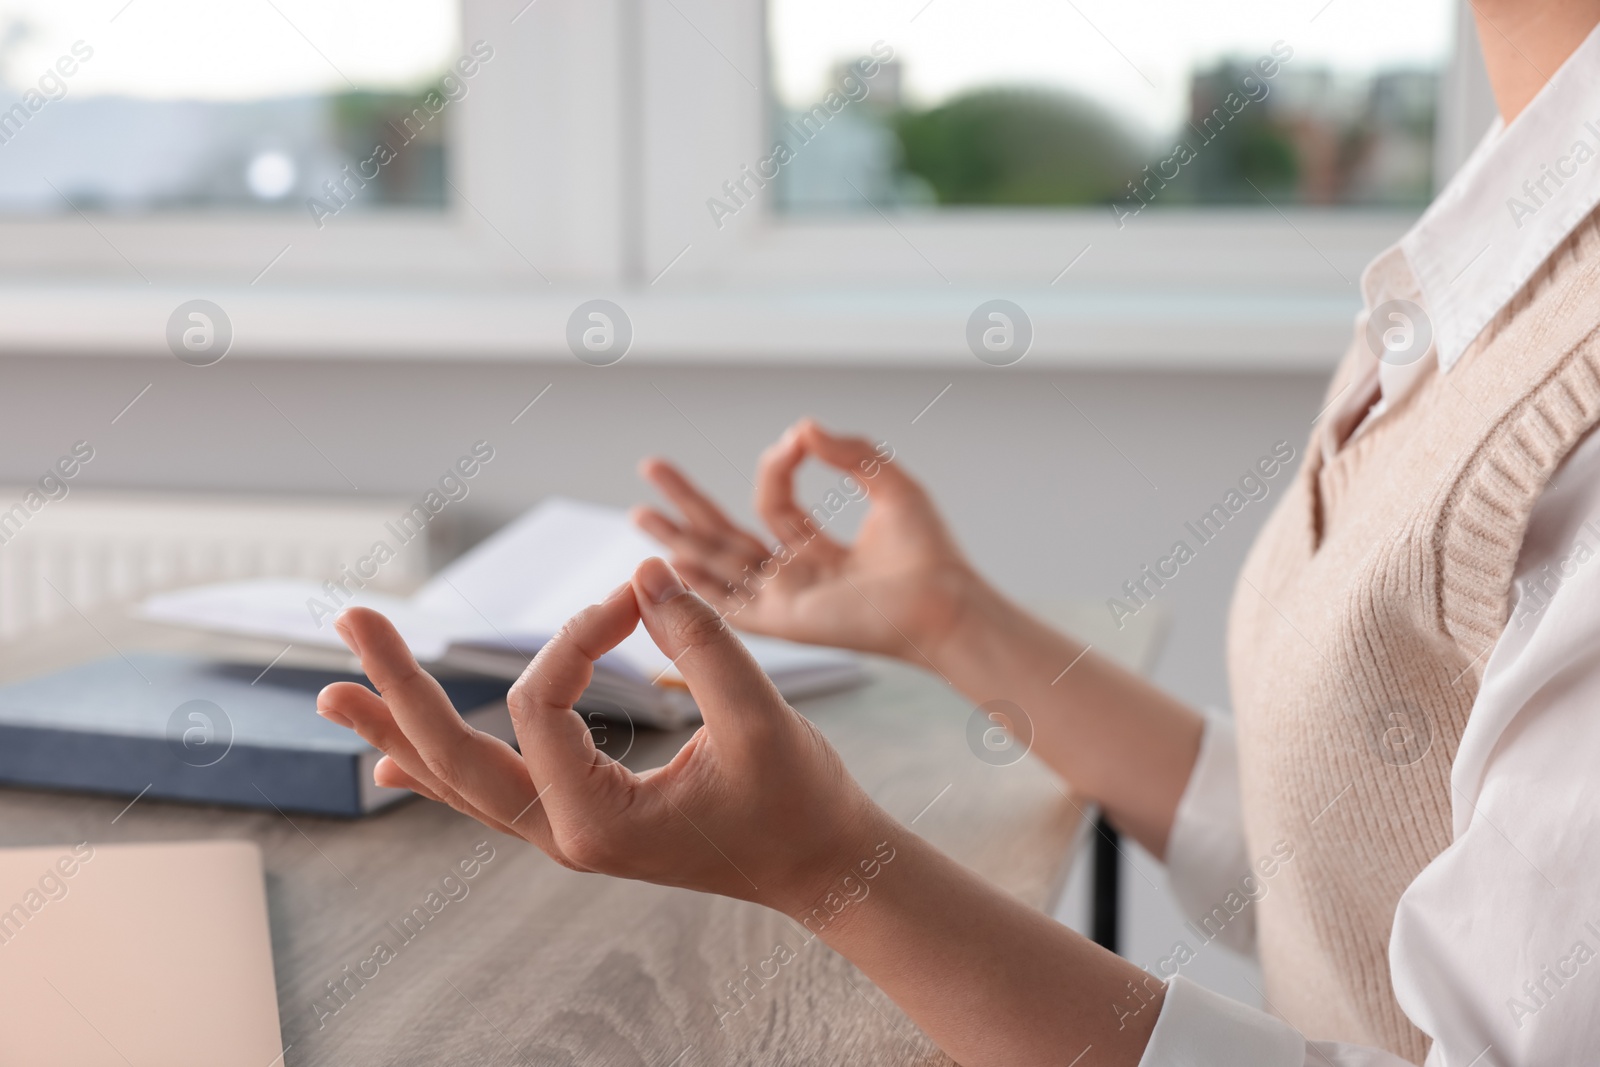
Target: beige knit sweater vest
{"type": "Point", "coordinates": [1359, 630]}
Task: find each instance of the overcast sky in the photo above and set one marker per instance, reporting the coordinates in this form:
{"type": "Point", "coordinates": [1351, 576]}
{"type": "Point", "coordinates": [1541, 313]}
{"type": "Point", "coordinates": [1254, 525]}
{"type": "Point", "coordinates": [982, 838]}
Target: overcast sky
{"type": "Point", "coordinates": [1134, 55]}
{"type": "Point", "coordinates": [236, 49]}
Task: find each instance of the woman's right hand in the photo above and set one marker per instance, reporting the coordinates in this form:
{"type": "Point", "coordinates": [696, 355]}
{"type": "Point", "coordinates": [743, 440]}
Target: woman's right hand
{"type": "Point", "coordinates": [898, 589]}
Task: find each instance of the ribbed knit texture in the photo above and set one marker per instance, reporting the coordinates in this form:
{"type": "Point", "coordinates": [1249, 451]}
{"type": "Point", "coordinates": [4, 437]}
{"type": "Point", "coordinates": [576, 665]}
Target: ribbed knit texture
{"type": "Point", "coordinates": [1360, 627]}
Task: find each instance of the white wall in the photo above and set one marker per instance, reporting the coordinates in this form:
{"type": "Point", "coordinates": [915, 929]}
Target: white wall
{"type": "Point", "coordinates": [1048, 503]}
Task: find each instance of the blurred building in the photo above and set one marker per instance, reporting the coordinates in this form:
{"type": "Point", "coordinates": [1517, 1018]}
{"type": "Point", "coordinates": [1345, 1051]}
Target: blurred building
{"type": "Point", "coordinates": [852, 157]}
{"type": "Point", "coordinates": [1317, 137]}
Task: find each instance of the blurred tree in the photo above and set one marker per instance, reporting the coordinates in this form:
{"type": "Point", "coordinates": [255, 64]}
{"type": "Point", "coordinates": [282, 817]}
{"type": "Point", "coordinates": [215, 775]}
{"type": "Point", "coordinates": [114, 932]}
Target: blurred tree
{"type": "Point", "coordinates": [1261, 146]}
{"type": "Point", "coordinates": [415, 135]}
{"type": "Point", "coordinates": [1254, 150]}
{"type": "Point", "coordinates": [1018, 147]}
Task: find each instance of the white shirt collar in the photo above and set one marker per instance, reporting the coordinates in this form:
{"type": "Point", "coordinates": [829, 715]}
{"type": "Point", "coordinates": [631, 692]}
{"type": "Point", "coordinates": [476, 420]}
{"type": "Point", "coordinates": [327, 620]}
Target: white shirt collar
{"type": "Point", "coordinates": [1488, 231]}
{"type": "Point", "coordinates": [1518, 196]}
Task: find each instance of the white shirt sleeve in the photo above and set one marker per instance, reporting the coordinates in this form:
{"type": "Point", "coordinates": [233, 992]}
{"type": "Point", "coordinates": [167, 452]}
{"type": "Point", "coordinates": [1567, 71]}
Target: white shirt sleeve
{"type": "Point", "coordinates": [1199, 1028]}
{"type": "Point", "coordinates": [1496, 945]}
{"type": "Point", "coordinates": [1495, 949]}
{"type": "Point", "coordinates": [1206, 858]}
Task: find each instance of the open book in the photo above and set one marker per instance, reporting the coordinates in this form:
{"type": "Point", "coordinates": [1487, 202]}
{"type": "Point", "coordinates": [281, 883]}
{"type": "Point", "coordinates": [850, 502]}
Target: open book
{"type": "Point", "coordinates": [490, 610]}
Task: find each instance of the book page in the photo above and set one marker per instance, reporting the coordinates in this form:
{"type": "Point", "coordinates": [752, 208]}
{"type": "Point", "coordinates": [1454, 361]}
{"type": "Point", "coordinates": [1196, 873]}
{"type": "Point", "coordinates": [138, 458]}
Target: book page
{"type": "Point", "coordinates": [288, 609]}
{"type": "Point", "coordinates": [540, 570]}
{"type": "Point", "coordinates": [523, 583]}
{"type": "Point", "coordinates": [511, 592]}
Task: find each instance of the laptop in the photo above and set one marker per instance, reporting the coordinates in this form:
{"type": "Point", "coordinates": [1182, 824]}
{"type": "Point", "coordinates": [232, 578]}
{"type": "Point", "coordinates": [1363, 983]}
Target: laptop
{"type": "Point", "coordinates": [112, 955]}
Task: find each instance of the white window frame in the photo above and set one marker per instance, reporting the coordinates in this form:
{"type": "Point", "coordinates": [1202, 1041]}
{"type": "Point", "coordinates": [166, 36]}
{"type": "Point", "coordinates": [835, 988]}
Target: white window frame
{"type": "Point", "coordinates": [584, 157]}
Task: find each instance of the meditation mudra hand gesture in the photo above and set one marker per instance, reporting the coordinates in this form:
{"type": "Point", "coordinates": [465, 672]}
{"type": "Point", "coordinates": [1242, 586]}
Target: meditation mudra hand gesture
{"type": "Point", "coordinates": [757, 805]}
{"type": "Point", "coordinates": [899, 587]}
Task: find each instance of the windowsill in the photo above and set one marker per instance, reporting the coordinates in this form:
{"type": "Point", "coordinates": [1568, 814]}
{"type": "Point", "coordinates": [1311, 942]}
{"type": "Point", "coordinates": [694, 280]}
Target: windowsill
{"type": "Point", "coordinates": [1100, 328]}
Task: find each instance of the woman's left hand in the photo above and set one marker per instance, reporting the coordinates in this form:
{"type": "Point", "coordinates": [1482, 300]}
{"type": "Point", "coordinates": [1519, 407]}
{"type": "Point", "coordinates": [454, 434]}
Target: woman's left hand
{"type": "Point", "coordinates": [756, 805]}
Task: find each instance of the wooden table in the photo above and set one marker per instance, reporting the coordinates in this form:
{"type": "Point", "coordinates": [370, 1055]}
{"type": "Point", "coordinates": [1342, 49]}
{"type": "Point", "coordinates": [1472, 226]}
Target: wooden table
{"type": "Point", "coordinates": [540, 965]}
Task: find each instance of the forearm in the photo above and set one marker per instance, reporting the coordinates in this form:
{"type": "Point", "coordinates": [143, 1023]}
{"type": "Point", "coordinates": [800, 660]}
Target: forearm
{"type": "Point", "coordinates": [1118, 740]}
{"type": "Point", "coordinates": [990, 980]}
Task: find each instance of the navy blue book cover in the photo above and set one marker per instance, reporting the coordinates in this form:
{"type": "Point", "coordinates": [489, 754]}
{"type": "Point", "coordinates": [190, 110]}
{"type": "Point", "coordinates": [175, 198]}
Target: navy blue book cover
{"type": "Point", "coordinates": [186, 728]}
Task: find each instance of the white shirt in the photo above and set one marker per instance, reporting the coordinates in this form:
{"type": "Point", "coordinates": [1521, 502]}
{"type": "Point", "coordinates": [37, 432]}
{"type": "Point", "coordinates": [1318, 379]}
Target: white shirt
{"type": "Point", "coordinates": [1495, 948]}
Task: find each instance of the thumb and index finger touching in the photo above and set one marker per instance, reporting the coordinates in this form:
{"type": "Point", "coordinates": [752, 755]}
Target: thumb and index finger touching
{"type": "Point", "coordinates": [737, 700]}
{"type": "Point", "coordinates": [559, 762]}
{"type": "Point", "coordinates": [869, 463]}
{"type": "Point", "coordinates": [858, 457]}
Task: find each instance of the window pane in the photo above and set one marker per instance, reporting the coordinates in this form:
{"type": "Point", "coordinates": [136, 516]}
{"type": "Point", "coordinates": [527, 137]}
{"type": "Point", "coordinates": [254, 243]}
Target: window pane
{"type": "Point", "coordinates": [1152, 103]}
{"type": "Point", "coordinates": [157, 105]}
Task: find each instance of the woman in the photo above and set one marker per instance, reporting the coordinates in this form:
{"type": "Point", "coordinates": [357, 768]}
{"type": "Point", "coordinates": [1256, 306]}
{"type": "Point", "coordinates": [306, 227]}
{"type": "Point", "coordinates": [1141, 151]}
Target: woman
{"type": "Point", "coordinates": [1412, 652]}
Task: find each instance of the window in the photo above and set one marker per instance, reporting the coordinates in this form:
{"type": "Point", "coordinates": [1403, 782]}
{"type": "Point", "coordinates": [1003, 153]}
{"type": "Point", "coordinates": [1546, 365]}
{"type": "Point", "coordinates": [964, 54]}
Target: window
{"type": "Point", "coordinates": [1158, 103]}
{"type": "Point", "coordinates": [966, 167]}
{"type": "Point", "coordinates": [319, 146]}
{"type": "Point", "coordinates": [194, 105]}
{"type": "Point", "coordinates": [540, 153]}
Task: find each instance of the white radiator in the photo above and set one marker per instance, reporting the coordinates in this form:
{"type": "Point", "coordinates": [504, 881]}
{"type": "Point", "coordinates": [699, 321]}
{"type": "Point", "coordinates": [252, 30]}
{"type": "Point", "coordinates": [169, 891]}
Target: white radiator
{"type": "Point", "coordinates": [97, 547]}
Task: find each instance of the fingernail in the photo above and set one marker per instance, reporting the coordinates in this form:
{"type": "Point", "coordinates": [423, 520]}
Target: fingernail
{"type": "Point", "coordinates": [346, 635]}
{"type": "Point", "coordinates": [618, 591]}
{"type": "Point", "coordinates": [334, 717]}
{"type": "Point", "coordinates": [660, 581]}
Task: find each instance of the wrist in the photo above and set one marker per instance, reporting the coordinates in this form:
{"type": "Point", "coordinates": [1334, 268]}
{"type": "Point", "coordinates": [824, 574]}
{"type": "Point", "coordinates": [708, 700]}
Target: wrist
{"type": "Point", "coordinates": [831, 888]}
{"type": "Point", "coordinates": [946, 599]}
{"type": "Point", "coordinates": [892, 879]}
{"type": "Point", "coordinates": [979, 612]}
